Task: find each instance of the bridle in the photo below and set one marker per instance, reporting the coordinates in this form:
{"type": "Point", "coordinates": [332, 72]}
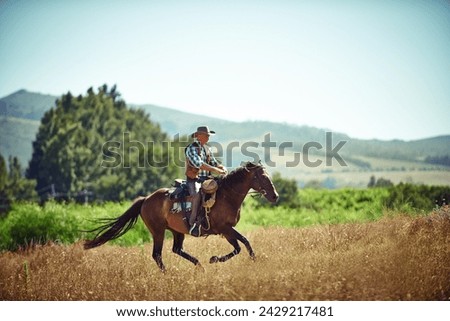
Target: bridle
{"type": "Point", "coordinates": [260, 191]}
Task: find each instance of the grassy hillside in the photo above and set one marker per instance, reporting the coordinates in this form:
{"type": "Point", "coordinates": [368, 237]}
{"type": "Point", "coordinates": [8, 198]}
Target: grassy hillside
{"type": "Point", "coordinates": [179, 122]}
{"type": "Point", "coordinates": [24, 104]}
{"type": "Point", "coordinates": [20, 116]}
{"type": "Point", "coordinates": [17, 136]}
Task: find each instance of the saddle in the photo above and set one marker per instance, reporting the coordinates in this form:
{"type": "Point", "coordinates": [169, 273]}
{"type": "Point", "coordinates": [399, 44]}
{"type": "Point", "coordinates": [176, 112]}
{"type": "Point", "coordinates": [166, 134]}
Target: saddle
{"type": "Point", "coordinates": [179, 191]}
{"type": "Point", "coordinates": [181, 198]}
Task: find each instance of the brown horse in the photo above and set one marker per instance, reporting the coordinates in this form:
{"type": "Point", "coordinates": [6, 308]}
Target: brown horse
{"type": "Point", "coordinates": [155, 210]}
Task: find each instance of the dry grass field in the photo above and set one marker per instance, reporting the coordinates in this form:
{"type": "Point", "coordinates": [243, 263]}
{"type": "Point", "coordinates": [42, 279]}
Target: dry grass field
{"type": "Point", "coordinates": [395, 258]}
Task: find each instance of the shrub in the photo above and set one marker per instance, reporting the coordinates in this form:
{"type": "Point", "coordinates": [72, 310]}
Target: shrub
{"type": "Point", "coordinates": [415, 197]}
{"type": "Point", "coordinates": [30, 223]}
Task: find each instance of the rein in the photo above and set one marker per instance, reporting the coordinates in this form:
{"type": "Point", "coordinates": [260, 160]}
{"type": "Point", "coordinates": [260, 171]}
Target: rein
{"type": "Point", "coordinates": [253, 194]}
{"type": "Point", "coordinates": [260, 192]}
{"type": "Point", "coordinates": [236, 192]}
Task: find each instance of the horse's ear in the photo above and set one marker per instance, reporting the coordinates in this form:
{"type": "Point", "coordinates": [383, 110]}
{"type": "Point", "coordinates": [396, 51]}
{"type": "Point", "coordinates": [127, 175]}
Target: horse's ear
{"type": "Point", "coordinates": [250, 165]}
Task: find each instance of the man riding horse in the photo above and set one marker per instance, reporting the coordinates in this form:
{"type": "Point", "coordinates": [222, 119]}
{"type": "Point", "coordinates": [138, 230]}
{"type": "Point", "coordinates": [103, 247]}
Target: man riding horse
{"type": "Point", "coordinates": [200, 163]}
{"type": "Point", "coordinates": [156, 212]}
{"type": "Point", "coordinates": [156, 209]}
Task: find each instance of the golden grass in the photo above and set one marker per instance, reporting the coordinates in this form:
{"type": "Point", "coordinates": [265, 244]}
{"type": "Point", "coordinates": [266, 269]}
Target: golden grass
{"type": "Point", "coordinates": [397, 258]}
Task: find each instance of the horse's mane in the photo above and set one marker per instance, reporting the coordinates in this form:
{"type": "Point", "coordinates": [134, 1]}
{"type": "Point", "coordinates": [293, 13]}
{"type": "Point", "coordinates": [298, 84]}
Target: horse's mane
{"type": "Point", "coordinates": [237, 174]}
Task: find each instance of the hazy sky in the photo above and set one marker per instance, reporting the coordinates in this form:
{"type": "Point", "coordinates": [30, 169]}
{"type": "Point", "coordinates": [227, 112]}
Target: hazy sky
{"type": "Point", "coordinates": [370, 69]}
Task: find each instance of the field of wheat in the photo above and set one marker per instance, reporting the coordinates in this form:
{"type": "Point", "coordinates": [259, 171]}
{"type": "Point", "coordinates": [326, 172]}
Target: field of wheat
{"type": "Point", "coordinates": [395, 258]}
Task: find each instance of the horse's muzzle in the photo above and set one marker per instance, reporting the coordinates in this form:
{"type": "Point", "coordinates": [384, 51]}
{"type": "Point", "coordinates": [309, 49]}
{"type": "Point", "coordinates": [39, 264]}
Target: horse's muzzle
{"type": "Point", "coordinates": [274, 197]}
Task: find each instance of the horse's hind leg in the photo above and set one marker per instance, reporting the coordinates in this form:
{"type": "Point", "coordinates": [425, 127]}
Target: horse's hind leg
{"type": "Point", "coordinates": [178, 239]}
{"type": "Point", "coordinates": [158, 240]}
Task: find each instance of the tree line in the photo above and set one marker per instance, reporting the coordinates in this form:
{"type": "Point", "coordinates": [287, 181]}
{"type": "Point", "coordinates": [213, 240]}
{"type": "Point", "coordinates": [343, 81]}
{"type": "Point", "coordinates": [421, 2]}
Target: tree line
{"type": "Point", "coordinates": [13, 186]}
{"type": "Point", "coordinates": [403, 196]}
{"type": "Point", "coordinates": [68, 158]}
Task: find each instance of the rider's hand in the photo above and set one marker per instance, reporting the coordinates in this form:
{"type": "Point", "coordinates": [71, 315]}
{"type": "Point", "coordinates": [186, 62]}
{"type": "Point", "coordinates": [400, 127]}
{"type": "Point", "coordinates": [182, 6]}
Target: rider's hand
{"type": "Point", "coordinates": [222, 170]}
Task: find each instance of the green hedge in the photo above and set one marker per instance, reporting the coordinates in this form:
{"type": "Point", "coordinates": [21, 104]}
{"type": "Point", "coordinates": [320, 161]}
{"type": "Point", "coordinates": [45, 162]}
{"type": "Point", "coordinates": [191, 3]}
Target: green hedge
{"type": "Point", "coordinates": [29, 223]}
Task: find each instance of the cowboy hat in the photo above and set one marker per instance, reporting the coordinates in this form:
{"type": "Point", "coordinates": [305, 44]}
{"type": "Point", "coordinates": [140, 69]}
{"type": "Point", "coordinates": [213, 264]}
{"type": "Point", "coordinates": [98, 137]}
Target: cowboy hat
{"type": "Point", "coordinates": [203, 130]}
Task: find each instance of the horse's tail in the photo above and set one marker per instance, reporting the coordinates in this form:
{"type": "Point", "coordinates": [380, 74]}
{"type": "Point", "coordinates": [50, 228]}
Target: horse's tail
{"type": "Point", "coordinates": [116, 227]}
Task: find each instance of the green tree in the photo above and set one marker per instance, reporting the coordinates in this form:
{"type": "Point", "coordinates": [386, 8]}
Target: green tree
{"type": "Point", "coordinates": [15, 169]}
{"type": "Point", "coordinates": [96, 143]}
{"type": "Point", "coordinates": [406, 196]}
{"type": "Point", "coordinates": [5, 198]}
{"type": "Point", "coordinates": [20, 188]}
{"type": "Point", "coordinates": [3, 173]}
{"type": "Point", "coordinates": [372, 181]}
{"type": "Point", "coordinates": [13, 186]}
{"type": "Point", "coordinates": [314, 184]}
{"type": "Point", "coordinates": [380, 182]}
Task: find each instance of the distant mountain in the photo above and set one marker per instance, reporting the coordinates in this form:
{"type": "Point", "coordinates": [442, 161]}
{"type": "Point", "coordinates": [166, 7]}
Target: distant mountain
{"type": "Point", "coordinates": [20, 115]}
{"type": "Point", "coordinates": [27, 105]}
{"type": "Point", "coordinates": [17, 136]}
{"type": "Point", "coordinates": [178, 122]}
{"type": "Point", "coordinates": [175, 122]}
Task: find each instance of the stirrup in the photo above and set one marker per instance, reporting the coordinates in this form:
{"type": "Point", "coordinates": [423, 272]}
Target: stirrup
{"type": "Point", "coordinates": [195, 230]}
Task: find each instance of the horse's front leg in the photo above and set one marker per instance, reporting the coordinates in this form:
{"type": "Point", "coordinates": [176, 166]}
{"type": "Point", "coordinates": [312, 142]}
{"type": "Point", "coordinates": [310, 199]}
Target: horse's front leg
{"type": "Point", "coordinates": [232, 237]}
{"type": "Point", "coordinates": [244, 241]}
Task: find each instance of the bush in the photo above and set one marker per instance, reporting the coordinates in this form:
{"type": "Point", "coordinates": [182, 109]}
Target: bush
{"type": "Point", "coordinates": [30, 223]}
{"type": "Point", "coordinates": [415, 197]}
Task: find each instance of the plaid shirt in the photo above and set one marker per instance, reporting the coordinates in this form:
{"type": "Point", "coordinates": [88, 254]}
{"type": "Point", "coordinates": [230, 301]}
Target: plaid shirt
{"type": "Point", "coordinates": [198, 155]}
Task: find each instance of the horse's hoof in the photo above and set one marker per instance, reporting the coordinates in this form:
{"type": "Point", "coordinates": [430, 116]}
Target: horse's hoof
{"type": "Point", "coordinates": [214, 259]}
{"type": "Point", "coordinates": [253, 257]}
{"type": "Point", "coordinates": [200, 267]}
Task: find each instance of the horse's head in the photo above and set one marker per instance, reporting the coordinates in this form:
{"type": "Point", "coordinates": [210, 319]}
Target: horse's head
{"type": "Point", "coordinates": [261, 181]}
